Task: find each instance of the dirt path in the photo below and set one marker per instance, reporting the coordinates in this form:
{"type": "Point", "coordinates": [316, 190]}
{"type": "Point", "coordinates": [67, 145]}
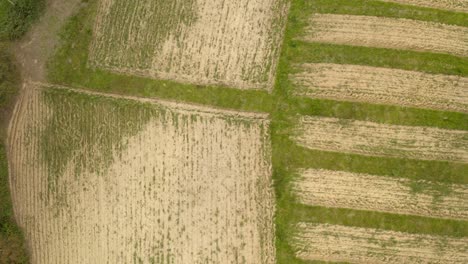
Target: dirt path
{"type": "Point", "coordinates": [33, 51]}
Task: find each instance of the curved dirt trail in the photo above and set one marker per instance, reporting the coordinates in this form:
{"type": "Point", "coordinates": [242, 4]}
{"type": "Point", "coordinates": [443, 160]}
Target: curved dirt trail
{"type": "Point", "coordinates": [40, 42]}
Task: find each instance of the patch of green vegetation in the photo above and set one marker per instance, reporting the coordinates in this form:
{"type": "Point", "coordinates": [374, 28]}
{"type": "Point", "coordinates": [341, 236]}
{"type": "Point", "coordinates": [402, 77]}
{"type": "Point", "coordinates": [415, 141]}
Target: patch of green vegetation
{"type": "Point", "coordinates": [12, 248]}
{"type": "Point", "coordinates": [69, 67]}
{"type": "Point", "coordinates": [16, 16]}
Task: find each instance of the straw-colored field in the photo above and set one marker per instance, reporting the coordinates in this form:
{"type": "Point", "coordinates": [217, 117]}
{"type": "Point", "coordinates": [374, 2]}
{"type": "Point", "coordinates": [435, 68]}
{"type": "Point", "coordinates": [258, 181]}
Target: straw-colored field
{"type": "Point", "coordinates": [216, 42]}
{"type": "Point", "coordinates": [365, 245]}
{"type": "Point", "coordinates": [99, 179]}
{"type": "Point", "coordinates": [453, 5]}
{"type": "Point", "coordinates": [368, 138]}
{"type": "Point", "coordinates": [382, 32]}
{"type": "Point", "coordinates": [380, 193]}
{"type": "Point", "coordinates": [382, 85]}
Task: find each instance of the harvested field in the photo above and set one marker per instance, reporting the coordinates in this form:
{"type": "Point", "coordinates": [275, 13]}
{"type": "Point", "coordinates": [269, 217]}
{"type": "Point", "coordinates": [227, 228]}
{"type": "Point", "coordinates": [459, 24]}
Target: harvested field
{"type": "Point", "coordinates": [382, 85]}
{"type": "Point", "coordinates": [452, 5]}
{"type": "Point", "coordinates": [342, 189]}
{"type": "Point", "coordinates": [382, 32]}
{"type": "Point", "coordinates": [364, 245]}
{"type": "Point", "coordinates": [373, 139]}
{"type": "Point", "coordinates": [100, 179]}
{"type": "Point", "coordinates": [209, 42]}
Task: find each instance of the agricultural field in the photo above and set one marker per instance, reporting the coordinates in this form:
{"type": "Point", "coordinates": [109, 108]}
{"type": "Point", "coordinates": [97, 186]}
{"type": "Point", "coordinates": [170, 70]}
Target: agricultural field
{"type": "Point", "coordinates": [382, 85]}
{"type": "Point", "coordinates": [455, 5]}
{"type": "Point", "coordinates": [373, 139]}
{"type": "Point", "coordinates": [266, 131]}
{"type": "Point", "coordinates": [216, 42]}
{"type": "Point", "coordinates": [341, 189]}
{"type": "Point", "coordinates": [100, 179]}
{"type": "Point", "coordinates": [364, 245]}
{"type": "Point", "coordinates": [392, 33]}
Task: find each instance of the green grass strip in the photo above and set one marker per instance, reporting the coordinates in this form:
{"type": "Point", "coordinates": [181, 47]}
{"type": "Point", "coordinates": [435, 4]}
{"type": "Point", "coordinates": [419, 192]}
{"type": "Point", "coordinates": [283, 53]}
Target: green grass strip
{"type": "Point", "coordinates": [303, 52]}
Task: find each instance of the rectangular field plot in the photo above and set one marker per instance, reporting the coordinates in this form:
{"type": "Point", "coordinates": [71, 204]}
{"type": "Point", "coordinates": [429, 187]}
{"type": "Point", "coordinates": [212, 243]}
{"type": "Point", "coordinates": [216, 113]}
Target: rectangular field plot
{"type": "Point", "coordinates": [382, 85]}
{"type": "Point", "coordinates": [373, 139]}
{"type": "Point", "coordinates": [208, 42]}
{"type": "Point", "coordinates": [364, 245]}
{"type": "Point", "coordinates": [99, 179]}
{"type": "Point", "coordinates": [382, 32]}
{"type": "Point", "coordinates": [452, 5]}
{"type": "Point", "coordinates": [342, 189]}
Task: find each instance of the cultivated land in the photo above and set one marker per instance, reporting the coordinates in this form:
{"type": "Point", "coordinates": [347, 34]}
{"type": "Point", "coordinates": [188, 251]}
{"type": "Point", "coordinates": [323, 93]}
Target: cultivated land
{"type": "Point", "coordinates": [210, 42]}
{"type": "Point", "coordinates": [384, 32]}
{"type": "Point", "coordinates": [70, 67]}
{"type": "Point", "coordinates": [363, 245]}
{"type": "Point", "coordinates": [99, 179]}
{"type": "Point", "coordinates": [455, 5]}
{"type": "Point", "coordinates": [368, 138]}
{"type": "Point", "coordinates": [379, 193]}
{"type": "Point", "coordinates": [382, 85]}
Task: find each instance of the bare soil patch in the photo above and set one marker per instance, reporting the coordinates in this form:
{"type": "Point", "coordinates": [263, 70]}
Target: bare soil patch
{"type": "Point", "coordinates": [190, 185]}
{"type": "Point", "coordinates": [382, 85]}
{"type": "Point", "coordinates": [373, 139]}
{"type": "Point", "coordinates": [215, 42]}
{"type": "Point", "coordinates": [382, 32]}
{"type": "Point", "coordinates": [365, 245]}
{"type": "Point", "coordinates": [379, 193]}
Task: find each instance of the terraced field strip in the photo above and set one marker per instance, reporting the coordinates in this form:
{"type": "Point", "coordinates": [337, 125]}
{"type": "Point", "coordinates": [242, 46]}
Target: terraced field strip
{"type": "Point", "coordinates": [342, 189]}
{"type": "Point", "coordinates": [209, 42]}
{"type": "Point", "coordinates": [365, 245]}
{"type": "Point", "coordinates": [382, 32]}
{"type": "Point", "coordinates": [373, 139]}
{"type": "Point", "coordinates": [382, 85]}
{"type": "Point", "coordinates": [145, 181]}
{"type": "Point", "coordinates": [453, 5]}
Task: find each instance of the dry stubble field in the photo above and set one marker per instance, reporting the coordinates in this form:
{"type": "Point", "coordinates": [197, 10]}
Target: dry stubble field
{"type": "Point", "coordinates": [357, 83]}
{"type": "Point", "coordinates": [383, 32]}
{"type": "Point", "coordinates": [99, 179]}
{"type": "Point", "coordinates": [341, 189]}
{"type": "Point", "coordinates": [209, 42]}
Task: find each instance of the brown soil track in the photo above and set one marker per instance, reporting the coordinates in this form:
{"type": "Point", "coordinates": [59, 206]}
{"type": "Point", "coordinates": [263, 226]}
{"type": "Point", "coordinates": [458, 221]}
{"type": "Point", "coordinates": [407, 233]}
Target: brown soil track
{"type": "Point", "coordinates": [373, 139]}
{"type": "Point", "coordinates": [208, 42]}
{"type": "Point", "coordinates": [365, 245]}
{"type": "Point", "coordinates": [342, 189]}
{"type": "Point", "coordinates": [382, 85]}
{"type": "Point", "coordinates": [382, 32]}
{"type": "Point", "coordinates": [452, 5]}
{"type": "Point", "coordinates": [163, 198]}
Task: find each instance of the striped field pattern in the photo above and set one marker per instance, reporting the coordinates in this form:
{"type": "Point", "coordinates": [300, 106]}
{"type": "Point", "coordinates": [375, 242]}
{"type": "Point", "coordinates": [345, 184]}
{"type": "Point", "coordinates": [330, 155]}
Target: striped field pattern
{"type": "Point", "coordinates": [342, 189]}
{"type": "Point", "coordinates": [209, 42]}
{"type": "Point", "coordinates": [188, 184]}
{"type": "Point", "coordinates": [364, 245]}
{"type": "Point", "coordinates": [358, 83]}
{"type": "Point", "coordinates": [394, 33]}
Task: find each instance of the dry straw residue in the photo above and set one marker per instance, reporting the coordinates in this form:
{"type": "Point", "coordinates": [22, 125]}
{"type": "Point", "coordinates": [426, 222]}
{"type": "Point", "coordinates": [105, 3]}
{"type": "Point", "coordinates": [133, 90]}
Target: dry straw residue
{"type": "Point", "coordinates": [342, 189]}
{"type": "Point", "coordinates": [453, 5]}
{"type": "Point", "coordinates": [365, 245]}
{"type": "Point", "coordinates": [188, 187]}
{"type": "Point", "coordinates": [382, 32]}
{"type": "Point", "coordinates": [382, 85]}
{"type": "Point", "coordinates": [368, 138]}
{"type": "Point", "coordinates": [210, 42]}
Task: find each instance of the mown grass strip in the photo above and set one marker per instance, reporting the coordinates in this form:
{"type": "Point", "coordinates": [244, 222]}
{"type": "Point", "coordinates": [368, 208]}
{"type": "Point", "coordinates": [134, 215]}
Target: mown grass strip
{"type": "Point", "coordinates": [303, 52]}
